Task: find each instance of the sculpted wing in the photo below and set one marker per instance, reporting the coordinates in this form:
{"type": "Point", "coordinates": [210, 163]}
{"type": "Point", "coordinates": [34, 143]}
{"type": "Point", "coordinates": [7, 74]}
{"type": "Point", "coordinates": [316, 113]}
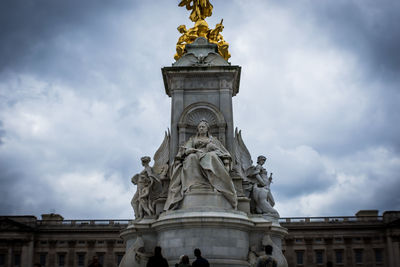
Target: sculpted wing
{"type": "Point", "coordinates": [242, 155]}
{"type": "Point", "coordinates": [161, 157]}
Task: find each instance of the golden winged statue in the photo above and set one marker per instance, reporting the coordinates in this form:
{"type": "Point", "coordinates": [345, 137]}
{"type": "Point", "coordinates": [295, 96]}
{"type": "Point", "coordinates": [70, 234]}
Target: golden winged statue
{"type": "Point", "coordinates": [201, 9]}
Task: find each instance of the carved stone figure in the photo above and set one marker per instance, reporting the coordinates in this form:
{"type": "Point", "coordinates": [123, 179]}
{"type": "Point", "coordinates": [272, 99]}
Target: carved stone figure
{"type": "Point", "coordinates": [256, 183]}
{"type": "Point", "coordinates": [152, 182]}
{"type": "Point", "coordinates": [203, 162]}
{"type": "Point", "coordinates": [253, 255]}
{"type": "Point", "coordinates": [261, 192]}
{"type": "Point", "coordinates": [135, 255]}
{"type": "Point", "coordinates": [142, 202]}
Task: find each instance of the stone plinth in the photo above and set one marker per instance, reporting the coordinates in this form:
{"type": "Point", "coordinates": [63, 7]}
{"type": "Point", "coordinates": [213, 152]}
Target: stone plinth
{"type": "Point", "coordinates": [200, 198]}
{"type": "Point", "coordinates": [223, 236]}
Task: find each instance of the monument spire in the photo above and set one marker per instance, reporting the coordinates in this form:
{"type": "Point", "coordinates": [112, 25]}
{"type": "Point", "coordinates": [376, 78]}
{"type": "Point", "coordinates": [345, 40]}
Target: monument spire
{"type": "Point", "coordinates": [201, 9]}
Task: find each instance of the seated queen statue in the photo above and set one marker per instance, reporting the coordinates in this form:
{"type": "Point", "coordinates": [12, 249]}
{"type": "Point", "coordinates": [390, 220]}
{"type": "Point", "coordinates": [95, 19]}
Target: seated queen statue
{"type": "Point", "coordinates": [201, 163]}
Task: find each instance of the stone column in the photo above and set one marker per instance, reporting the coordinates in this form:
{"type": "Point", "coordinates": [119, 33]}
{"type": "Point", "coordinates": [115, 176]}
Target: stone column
{"type": "Point", "coordinates": [52, 253]}
{"type": "Point", "coordinates": [109, 260]}
{"type": "Point", "coordinates": [289, 253]}
{"type": "Point", "coordinates": [10, 253]}
{"type": "Point", "coordinates": [396, 250]}
{"type": "Point", "coordinates": [309, 253]}
{"type": "Point", "coordinates": [91, 252]}
{"type": "Point", "coordinates": [368, 254]}
{"type": "Point", "coordinates": [329, 251]}
{"type": "Point", "coordinates": [225, 105]}
{"type": "Point", "coordinates": [71, 253]}
{"type": "Point", "coordinates": [27, 253]}
{"type": "Point", "coordinates": [176, 111]}
{"type": "Point", "coordinates": [349, 252]}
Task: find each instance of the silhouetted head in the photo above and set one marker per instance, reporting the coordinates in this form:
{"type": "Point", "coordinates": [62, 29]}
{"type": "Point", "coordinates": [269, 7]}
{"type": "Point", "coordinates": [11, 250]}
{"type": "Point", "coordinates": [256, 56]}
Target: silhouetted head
{"type": "Point", "coordinates": [157, 251]}
{"type": "Point", "coordinates": [329, 264]}
{"type": "Point", "coordinates": [185, 259]}
{"type": "Point", "coordinates": [197, 253]}
{"type": "Point", "coordinates": [37, 265]}
{"type": "Point", "coordinates": [268, 249]}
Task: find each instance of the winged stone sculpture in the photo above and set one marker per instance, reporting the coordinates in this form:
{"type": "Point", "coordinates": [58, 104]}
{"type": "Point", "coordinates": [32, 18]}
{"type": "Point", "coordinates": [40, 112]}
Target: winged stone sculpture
{"type": "Point", "coordinates": [256, 183]}
{"type": "Point", "coordinates": [151, 182]}
{"type": "Point", "coordinates": [161, 163]}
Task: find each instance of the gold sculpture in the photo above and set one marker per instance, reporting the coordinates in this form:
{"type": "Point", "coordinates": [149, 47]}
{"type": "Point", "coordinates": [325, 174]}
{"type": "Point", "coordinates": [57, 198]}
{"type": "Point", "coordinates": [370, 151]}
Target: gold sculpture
{"type": "Point", "coordinates": [200, 10]}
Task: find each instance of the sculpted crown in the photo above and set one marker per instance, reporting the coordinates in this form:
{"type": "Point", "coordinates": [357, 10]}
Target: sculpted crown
{"type": "Point", "coordinates": [200, 10]}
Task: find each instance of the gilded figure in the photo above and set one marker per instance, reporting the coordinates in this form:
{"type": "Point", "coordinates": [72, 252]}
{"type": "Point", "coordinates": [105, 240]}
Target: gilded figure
{"type": "Point", "coordinates": [201, 9]}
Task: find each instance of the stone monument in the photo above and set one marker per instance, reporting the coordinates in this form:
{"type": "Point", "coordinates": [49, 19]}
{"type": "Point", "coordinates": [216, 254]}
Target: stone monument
{"type": "Point", "coordinates": [203, 190]}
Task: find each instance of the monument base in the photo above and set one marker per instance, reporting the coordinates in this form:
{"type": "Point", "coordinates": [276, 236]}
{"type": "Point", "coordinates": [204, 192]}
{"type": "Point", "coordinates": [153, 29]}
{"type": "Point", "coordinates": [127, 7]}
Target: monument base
{"type": "Point", "coordinates": [224, 237]}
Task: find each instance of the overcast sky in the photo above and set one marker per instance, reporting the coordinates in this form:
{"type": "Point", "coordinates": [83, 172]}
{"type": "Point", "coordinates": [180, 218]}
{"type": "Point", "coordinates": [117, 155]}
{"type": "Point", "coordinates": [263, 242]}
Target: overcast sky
{"type": "Point", "coordinates": [82, 99]}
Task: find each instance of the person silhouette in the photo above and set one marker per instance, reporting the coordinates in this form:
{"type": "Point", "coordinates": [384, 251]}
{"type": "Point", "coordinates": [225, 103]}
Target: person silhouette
{"type": "Point", "coordinates": [157, 260]}
{"type": "Point", "coordinates": [200, 261]}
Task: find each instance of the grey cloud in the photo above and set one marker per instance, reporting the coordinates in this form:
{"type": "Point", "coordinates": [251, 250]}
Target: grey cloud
{"type": "Point", "coordinates": [27, 26]}
{"type": "Point", "coordinates": [366, 28]}
{"type": "Point", "coordinates": [2, 133]}
{"type": "Point", "coordinates": [89, 70]}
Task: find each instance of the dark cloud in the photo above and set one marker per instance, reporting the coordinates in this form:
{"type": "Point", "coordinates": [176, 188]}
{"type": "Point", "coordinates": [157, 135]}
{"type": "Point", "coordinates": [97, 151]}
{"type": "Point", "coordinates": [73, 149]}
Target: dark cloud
{"type": "Point", "coordinates": [366, 28]}
{"type": "Point", "coordinates": [27, 27]}
{"type": "Point", "coordinates": [82, 99]}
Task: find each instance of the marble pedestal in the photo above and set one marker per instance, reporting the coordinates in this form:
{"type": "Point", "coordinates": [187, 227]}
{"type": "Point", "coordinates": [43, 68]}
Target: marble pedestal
{"type": "Point", "coordinates": [223, 236]}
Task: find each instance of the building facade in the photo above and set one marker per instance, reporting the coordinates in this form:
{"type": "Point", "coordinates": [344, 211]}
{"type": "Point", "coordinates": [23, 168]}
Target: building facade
{"type": "Point", "coordinates": [363, 240]}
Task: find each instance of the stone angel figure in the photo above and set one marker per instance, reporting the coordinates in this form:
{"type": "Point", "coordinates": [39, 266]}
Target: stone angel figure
{"type": "Point", "coordinates": [151, 182]}
{"type": "Point", "coordinates": [256, 183]}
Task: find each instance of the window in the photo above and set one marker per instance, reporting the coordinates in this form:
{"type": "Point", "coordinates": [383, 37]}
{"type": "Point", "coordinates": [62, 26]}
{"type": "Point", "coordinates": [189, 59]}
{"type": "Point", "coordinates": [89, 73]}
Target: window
{"type": "Point", "coordinates": [81, 242]}
{"type": "Point", "coordinates": [319, 257]}
{"type": "Point", "coordinates": [298, 240]}
{"type": "Point", "coordinates": [119, 258]}
{"type": "Point", "coordinates": [81, 259]}
{"type": "Point", "coordinates": [299, 257]}
{"type": "Point", "coordinates": [17, 259]}
{"type": "Point", "coordinates": [2, 259]}
{"type": "Point", "coordinates": [42, 259]}
{"type": "Point", "coordinates": [339, 256]}
{"type": "Point", "coordinates": [318, 240]}
{"type": "Point", "coordinates": [358, 256]}
{"type": "Point", "coordinates": [338, 239]}
{"type": "Point", "coordinates": [378, 256]}
{"type": "Point", "coordinates": [61, 259]}
{"type": "Point", "coordinates": [101, 258]}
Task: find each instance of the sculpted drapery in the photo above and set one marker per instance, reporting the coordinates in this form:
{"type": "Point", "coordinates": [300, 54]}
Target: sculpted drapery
{"type": "Point", "coordinates": [200, 164]}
